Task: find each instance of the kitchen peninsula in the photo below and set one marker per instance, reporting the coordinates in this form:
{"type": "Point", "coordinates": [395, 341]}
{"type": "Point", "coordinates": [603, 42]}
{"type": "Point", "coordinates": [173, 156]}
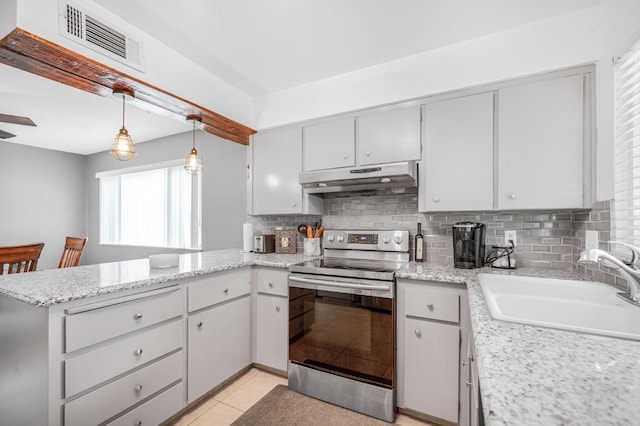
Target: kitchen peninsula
{"type": "Point", "coordinates": [528, 375]}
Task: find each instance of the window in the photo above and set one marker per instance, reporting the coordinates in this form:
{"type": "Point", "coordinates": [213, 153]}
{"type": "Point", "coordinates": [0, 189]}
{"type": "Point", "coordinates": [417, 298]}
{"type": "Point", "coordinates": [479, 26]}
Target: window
{"type": "Point", "coordinates": [627, 146]}
{"type": "Point", "coordinates": [155, 206]}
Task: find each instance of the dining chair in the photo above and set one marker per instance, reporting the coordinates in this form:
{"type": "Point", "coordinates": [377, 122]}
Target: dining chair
{"type": "Point", "coordinates": [73, 248]}
{"type": "Point", "coordinates": [17, 259]}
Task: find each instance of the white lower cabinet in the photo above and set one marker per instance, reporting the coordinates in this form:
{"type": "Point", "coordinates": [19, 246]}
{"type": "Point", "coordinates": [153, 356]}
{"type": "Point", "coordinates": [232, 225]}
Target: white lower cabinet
{"type": "Point", "coordinates": [219, 335]}
{"type": "Point", "coordinates": [431, 354]}
{"type": "Point", "coordinates": [272, 318]}
{"type": "Point", "coordinates": [154, 411]}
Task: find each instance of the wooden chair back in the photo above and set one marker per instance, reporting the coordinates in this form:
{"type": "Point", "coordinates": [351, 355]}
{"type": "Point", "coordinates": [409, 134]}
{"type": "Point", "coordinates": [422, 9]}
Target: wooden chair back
{"type": "Point", "coordinates": [72, 252]}
{"type": "Point", "coordinates": [17, 259]}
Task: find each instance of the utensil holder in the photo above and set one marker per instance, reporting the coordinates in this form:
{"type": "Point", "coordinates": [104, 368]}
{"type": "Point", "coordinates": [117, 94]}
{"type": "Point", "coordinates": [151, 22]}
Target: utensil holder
{"type": "Point", "coordinates": [312, 246]}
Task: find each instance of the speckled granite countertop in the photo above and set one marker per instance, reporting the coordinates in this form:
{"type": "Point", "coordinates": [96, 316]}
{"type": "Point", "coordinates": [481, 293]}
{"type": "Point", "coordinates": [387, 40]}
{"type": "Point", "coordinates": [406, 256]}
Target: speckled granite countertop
{"type": "Point", "coordinates": [53, 286]}
{"type": "Point", "coordinates": [540, 376]}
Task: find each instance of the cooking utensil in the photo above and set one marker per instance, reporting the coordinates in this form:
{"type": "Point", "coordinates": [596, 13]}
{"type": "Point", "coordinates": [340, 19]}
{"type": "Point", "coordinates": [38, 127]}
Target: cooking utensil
{"type": "Point", "coordinates": [302, 228]}
{"type": "Point", "coordinates": [309, 232]}
{"type": "Point", "coordinates": [319, 231]}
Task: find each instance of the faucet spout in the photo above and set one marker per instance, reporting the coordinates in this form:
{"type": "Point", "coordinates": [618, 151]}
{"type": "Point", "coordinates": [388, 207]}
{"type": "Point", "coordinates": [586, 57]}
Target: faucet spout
{"type": "Point", "coordinates": [632, 275]}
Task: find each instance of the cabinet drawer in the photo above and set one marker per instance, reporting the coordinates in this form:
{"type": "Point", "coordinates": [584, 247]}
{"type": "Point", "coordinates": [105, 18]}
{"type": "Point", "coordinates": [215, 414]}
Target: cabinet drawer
{"type": "Point", "coordinates": [272, 281]}
{"type": "Point", "coordinates": [101, 404]}
{"type": "Point", "coordinates": [219, 287]}
{"type": "Point", "coordinates": [156, 410]}
{"type": "Point", "coordinates": [86, 328]}
{"type": "Point", "coordinates": [432, 304]}
{"type": "Point", "coordinates": [80, 372]}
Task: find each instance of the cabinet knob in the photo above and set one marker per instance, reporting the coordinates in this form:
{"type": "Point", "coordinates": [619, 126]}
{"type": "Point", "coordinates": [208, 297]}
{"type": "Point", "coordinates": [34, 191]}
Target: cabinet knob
{"type": "Point", "coordinates": [293, 204]}
{"type": "Point", "coordinates": [468, 383]}
{"type": "Point", "coordinates": [436, 199]}
{"type": "Point", "coordinates": [137, 316]}
{"type": "Point", "coordinates": [138, 389]}
{"type": "Point", "coordinates": [418, 333]}
{"type": "Point", "coordinates": [138, 423]}
{"type": "Point", "coordinates": [346, 156]}
{"type": "Point", "coordinates": [270, 285]}
{"type": "Point", "coordinates": [430, 307]}
{"type": "Point", "coordinates": [226, 290]}
{"type": "Point", "coordinates": [137, 352]}
{"type": "Point", "coordinates": [277, 308]}
{"type": "Point", "coordinates": [465, 362]}
{"type": "Point", "coordinates": [200, 324]}
{"type": "Point", "coordinates": [368, 154]}
{"type": "Point", "coordinates": [511, 195]}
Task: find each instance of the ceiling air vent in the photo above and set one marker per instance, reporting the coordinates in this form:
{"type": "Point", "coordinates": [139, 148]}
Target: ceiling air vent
{"type": "Point", "coordinates": [79, 26]}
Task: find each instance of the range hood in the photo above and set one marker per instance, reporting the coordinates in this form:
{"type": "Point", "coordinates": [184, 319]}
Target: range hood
{"type": "Point", "coordinates": [391, 175]}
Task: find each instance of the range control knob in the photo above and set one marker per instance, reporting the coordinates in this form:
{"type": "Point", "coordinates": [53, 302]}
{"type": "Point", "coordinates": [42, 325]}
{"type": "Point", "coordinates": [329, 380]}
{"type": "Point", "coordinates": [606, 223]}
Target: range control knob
{"type": "Point", "coordinates": [340, 238]}
{"type": "Point", "coordinates": [386, 239]}
{"type": "Point", "coordinates": [330, 238]}
{"type": "Point", "coordinates": [397, 238]}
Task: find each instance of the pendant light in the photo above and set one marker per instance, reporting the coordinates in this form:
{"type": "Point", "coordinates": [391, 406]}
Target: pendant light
{"type": "Point", "coordinates": [123, 148]}
{"type": "Point", "coordinates": [193, 164]}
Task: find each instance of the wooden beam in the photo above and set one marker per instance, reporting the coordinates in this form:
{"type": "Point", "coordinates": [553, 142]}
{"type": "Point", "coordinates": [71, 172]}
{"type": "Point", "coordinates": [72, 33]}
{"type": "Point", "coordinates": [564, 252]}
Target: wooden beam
{"type": "Point", "coordinates": [28, 52]}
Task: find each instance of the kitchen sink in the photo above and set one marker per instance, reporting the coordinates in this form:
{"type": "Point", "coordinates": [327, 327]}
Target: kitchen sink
{"type": "Point", "coordinates": [582, 306]}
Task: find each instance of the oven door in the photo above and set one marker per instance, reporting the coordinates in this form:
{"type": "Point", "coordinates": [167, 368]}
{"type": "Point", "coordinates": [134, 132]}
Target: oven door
{"type": "Point", "coordinates": [343, 327]}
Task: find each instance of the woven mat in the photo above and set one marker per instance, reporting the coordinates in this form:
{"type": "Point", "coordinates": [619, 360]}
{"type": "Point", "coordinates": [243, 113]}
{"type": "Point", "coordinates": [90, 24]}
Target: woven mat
{"type": "Point", "coordinates": [284, 407]}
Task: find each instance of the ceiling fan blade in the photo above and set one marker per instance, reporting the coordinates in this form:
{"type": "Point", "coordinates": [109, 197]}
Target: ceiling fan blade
{"type": "Point", "coordinates": [16, 119]}
{"type": "Point", "coordinates": [5, 135]}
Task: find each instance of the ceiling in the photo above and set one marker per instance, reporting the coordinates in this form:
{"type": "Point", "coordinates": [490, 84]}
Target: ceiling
{"type": "Point", "coordinates": [260, 47]}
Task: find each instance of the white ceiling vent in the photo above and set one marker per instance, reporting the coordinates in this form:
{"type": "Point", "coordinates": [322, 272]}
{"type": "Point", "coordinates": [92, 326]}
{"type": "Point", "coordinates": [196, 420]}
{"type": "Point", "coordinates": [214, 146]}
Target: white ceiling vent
{"type": "Point", "coordinates": [77, 25]}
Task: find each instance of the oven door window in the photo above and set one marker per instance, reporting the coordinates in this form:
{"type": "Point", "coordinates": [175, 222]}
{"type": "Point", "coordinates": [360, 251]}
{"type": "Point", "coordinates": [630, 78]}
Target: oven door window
{"type": "Point", "coordinates": [345, 334]}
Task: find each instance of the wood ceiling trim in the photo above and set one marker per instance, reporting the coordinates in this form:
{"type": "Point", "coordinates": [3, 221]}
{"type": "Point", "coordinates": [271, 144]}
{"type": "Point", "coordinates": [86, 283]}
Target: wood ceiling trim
{"type": "Point", "coordinates": [28, 52]}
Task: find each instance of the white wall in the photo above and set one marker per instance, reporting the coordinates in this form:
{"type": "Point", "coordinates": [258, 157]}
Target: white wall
{"type": "Point", "coordinates": [618, 27]}
{"type": "Point", "coordinates": [554, 43]}
{"type": "Point", "coordinates": [43, 199]}
{"type": "Point", "coordinates": [223, 192]}
{"type": "Point", "coordinates": [165, 68]}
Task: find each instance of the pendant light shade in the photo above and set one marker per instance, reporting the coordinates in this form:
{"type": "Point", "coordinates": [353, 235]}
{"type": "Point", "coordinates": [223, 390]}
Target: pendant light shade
{"type": "Point", "coordinates": [123, 148]}
{"type": "Point", "coordinates": [193, 164]}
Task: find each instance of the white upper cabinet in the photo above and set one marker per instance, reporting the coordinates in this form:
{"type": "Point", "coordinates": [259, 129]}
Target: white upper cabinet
{"type": "Point", "coordinates": [541, 145]}
{"type": "Point", "coordinates": [274, 185]}
{"type": "Point", "coordinates": [329, 145]}
{"type": "Point", "coordinates": [389, 136]}
{"type": "Point", "coordinates": [456, 171]}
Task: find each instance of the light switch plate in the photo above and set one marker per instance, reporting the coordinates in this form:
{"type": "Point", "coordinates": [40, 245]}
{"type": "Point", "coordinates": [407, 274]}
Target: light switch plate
{"type": "Point", "coordinates": [591, 240]}
{"type": "Point", "coordinates": [510, 235]}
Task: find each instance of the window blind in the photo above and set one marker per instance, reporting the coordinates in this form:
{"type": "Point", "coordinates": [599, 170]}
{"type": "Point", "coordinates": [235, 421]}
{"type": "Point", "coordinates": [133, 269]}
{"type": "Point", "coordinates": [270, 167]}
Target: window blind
{"type": "Point", "coordinates": [627, 147]}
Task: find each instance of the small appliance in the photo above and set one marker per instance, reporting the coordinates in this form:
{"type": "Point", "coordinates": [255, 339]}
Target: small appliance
{"type": "Point", "coordinates": [264, 243]}
{"type": "Point", "coordinates": [468, 245]}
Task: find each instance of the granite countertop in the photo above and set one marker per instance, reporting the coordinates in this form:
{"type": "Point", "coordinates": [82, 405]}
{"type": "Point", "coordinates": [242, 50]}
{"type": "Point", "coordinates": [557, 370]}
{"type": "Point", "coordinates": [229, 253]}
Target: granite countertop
{"type": "Point", "coordinates": [540, 376]}
{"type": "Point", "coordinates": [53, 286]}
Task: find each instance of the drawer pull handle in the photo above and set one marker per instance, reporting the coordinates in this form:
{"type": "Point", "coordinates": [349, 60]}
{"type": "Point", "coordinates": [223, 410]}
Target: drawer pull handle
{"type": "Point", "coordinates": [418, 333]}
{"type": "Point", "coordinates": [137, 352]}
{"type": "Point", "coordinates": [226, 290]}
{"type": "Point", "coordinates": [138, 389]}
{"type": "Point", "coordinates": [430, 307]}
{"type": "Point", "coordinates": [138, 423]}
{"type": "Point", "coordinates": [278, 308]}
{"type": "Point", "coordinates": [137, 316]}
{"type": "Point", "coordinates": [200, 324]}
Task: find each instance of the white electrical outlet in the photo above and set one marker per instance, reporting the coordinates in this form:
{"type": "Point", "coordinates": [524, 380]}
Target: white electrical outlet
{"type": "Point", "coordinates": [591, 240]}
{"type": "Point", "coordinates": [510, 236]}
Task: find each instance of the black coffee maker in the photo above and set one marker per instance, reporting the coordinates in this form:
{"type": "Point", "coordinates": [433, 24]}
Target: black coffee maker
{"type": "Point", "coordinates": [468, 245]}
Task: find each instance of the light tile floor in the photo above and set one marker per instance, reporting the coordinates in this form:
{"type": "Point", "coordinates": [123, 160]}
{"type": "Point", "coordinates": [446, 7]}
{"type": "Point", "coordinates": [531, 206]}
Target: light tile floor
{"type": "Point", "coordinates": [224, 407]}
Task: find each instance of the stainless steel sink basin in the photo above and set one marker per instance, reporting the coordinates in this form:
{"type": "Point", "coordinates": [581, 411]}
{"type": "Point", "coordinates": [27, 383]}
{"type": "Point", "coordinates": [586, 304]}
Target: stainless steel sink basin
{"type": "Point", "coordinates": [583, 306]}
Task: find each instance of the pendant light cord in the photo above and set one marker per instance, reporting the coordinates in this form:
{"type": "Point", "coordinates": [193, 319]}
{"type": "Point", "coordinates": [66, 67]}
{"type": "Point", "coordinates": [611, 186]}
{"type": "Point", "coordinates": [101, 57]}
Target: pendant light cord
{"type": "Point", "coordinates": [194, 134]}
{"type": "Point", "coordinates": [123, 110]}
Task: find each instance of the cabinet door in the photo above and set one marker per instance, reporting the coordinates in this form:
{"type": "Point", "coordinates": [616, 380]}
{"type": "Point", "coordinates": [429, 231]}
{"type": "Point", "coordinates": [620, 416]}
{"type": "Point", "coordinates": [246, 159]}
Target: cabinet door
{"type": "Point", "coordinates": [540, 145]}
{"type": "Point", "coordinates": [329, 145]}
{"type": "Point", "coordinates": [272, 341]}
{"type": "Point", "coordinates": [389, 136]}
{"type": "Point", "coordinates": [277, 160]}
{"type": "Point", "coordinates": [457, 162]}
{"type": "Point", "coordinates": [432, 352]}
{"type": "Point", "coordinates": [219, 345]}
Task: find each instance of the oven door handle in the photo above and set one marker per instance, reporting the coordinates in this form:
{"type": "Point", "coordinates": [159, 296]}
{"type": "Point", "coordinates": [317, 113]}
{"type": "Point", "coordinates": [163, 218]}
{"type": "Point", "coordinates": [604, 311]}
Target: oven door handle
{"type": "Point", "coordinates": [339, 284]}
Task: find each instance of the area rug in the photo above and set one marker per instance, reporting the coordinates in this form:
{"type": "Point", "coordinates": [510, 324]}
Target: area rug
{"type": "Point", "coordinates": [284, 407]}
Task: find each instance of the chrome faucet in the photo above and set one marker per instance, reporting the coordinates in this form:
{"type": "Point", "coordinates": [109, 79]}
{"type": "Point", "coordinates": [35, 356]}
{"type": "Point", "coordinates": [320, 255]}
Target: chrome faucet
{"type": "Point", "coordinates": [629, 270]}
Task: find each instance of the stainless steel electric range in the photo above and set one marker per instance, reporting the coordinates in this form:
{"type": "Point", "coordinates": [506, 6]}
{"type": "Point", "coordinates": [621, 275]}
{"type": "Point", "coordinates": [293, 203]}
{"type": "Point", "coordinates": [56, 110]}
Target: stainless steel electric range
{"type": "Point", "coordinates": [342, 321]}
